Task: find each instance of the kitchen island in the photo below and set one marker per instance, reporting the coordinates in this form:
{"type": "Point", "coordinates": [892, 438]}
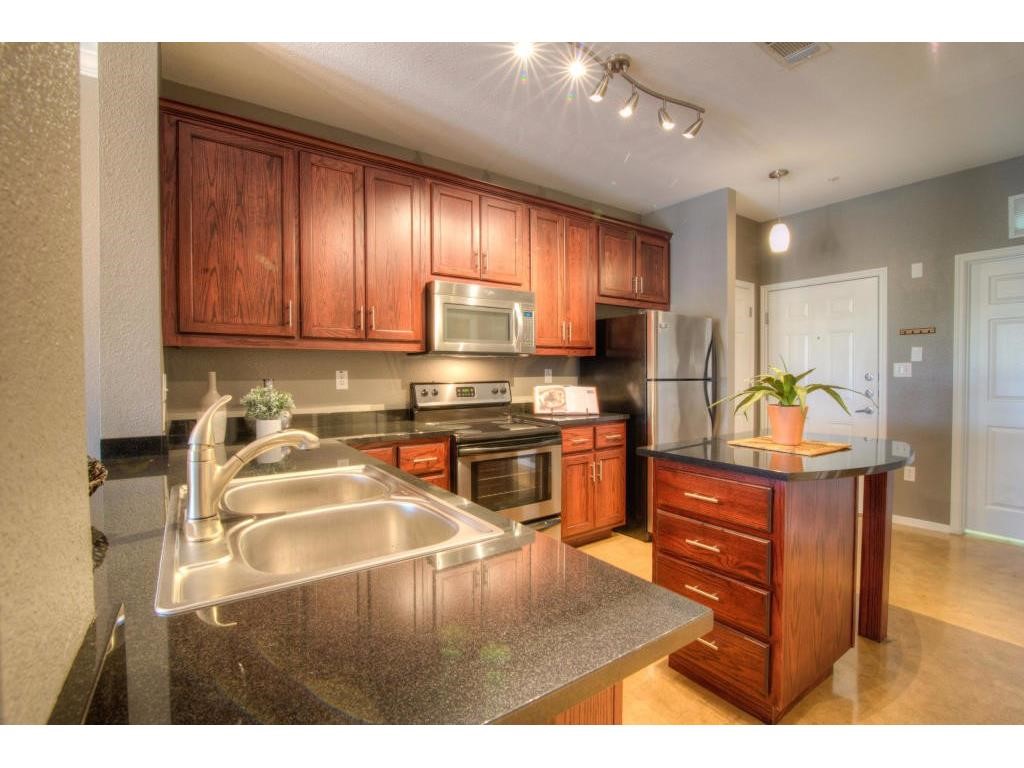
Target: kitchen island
{"type": "Point", "coordinates": [520, 628]}
{"type": "Point", "coordinates": [768, 540]}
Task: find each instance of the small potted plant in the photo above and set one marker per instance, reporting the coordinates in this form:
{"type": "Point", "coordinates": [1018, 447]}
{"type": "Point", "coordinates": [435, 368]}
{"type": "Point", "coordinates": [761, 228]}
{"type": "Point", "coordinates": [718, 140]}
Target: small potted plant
{"type": "Point", "coordinates": [266, 406]}
{"type": "Point", "coordinates": [789, 412]}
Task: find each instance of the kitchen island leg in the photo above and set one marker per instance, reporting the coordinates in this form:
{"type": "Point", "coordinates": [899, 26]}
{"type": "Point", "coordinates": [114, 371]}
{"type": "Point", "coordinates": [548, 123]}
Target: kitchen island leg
{"type": "Point", "coordinates": [876, 537]}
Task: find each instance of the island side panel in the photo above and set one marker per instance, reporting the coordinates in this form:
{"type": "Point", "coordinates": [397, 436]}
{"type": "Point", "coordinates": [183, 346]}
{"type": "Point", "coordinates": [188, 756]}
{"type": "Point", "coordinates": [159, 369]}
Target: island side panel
{"type": "Point", "coordinates": [876, 539]}
{"type": "Point", "coordinates": [604, 708]}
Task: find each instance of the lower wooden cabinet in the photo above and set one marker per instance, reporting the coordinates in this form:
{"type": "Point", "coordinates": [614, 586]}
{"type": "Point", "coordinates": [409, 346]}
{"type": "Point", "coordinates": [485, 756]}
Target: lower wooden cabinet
{"type": "Point", "coordinates": [593, 481]}
{"type": "Point", "coordinates": [428, 459]}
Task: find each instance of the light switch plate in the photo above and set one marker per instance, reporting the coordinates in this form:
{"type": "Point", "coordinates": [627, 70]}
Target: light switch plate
{"type": "Point", "coordinates": [900, 448]}
{"type": "Point", "coordinates": [917, 269]}
{"type": "Point", "coordinates": [910, 474]}
{"type": "Point", "coordinates": [916, 354]}
{"type": "Point", "coordinates": [547, 375]}
{"type": "Point", "coordinates": [902, 370]}
{"type": "Point", "coordinates": [341, 379]}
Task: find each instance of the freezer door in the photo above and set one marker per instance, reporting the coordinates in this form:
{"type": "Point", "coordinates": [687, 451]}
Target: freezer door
{"type": "Point", "coordinates": [679, 411]}
{"type": "Point", "coordinates": [678, 346]}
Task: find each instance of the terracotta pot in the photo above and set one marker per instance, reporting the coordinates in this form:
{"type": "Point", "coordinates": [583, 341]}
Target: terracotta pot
{"type": "Point", "coordinates": [787, 423]}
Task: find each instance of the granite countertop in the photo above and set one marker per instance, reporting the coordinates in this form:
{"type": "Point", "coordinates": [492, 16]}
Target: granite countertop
{"type": "Point", "coordinates": [514, 630]}
{"type": "Point", "coordinates": [579, 421]}
{"type": "Point", "coordinates": [865, 457]}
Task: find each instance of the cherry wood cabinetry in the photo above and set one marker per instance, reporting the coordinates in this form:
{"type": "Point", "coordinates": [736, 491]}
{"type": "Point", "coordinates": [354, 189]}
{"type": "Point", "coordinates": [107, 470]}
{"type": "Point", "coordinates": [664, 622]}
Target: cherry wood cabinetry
{"type": "Point", "coordinates": [593, 481]}
{"type": "Point", "coordinates": [774, 560]}
{"type": "Point", "coordinates": [633, 267]}
{"type": "Point", "coordinates": [236, 238]}
{"type": "Point", "coordinates": [477, 237]}
{"type": "Point", "coordinates": [563, 260]}
{"type": "Point", "coordinates": [427, 459]}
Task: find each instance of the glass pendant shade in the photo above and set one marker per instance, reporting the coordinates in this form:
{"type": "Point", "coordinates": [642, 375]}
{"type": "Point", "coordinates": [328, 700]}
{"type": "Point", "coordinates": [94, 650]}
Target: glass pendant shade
{"type": "Point", "coordinates": [778, 238]}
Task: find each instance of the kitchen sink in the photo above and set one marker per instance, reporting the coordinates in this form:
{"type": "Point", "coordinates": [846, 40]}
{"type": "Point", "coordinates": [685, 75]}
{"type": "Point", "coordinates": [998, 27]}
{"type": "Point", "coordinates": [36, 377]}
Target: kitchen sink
{"type": "Point", "coordinates": [288, 529]}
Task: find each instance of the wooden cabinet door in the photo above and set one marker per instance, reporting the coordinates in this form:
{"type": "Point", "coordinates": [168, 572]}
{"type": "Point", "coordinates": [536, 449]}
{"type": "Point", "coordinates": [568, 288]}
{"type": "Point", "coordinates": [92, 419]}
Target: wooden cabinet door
{"type": "Point", "coordinates": [652, 269]}
{"type": "Point", "coordinates": [577, 494]}
{"type": "Point", "coordinates": [331, 250]}
{"type": "Point", "coordinates": [504, 583]}
{"type": "Point", "coordinates": [579, 283]}
{"type": "Point", "coordinates": [457, 595]}
{"type": "Point", "coordinates": [616, 270]}
{"type": "Point", "coordinates": [236, 234]}
{"type": "Point", "coordinates": [547, 260]}
{"type": "Point", "coordinates": [394, 295]}
{"type": "Point", "coordinates": [503, 253]}
{"type": "Point", "coordinates": [455, 232]}
{"type": "Point", "coordinates": [610, 492]}
{"type": "Point", "coordinates": [391, 599]}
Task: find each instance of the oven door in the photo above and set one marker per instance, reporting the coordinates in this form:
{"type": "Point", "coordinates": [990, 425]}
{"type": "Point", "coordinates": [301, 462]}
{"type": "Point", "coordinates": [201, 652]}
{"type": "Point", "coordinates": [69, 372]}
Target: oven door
{"type": "Point", "coordinates": [521, 479]}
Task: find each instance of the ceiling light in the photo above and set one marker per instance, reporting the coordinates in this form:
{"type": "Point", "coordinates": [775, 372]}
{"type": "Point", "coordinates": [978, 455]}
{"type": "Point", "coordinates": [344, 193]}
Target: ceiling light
{"type": "Point", "coordinates": [664, 119]}
{"type": "Point", "coordinates": [523, 50]}
{"type": "Point", "coordinates": [630, 106]}
{"type": "Point", "coordinates": [778, 237]}
{"type": "Point", "coordinates": [577, 69]}
{"type": "Point", "coordinates": [694, 128]}
{"type": "Point", "coordinates": [602, 87]}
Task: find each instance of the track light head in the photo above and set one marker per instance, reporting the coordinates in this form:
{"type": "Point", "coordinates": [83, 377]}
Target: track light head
{"type": "Point", "coordinates": [694, 129]}
{"type": "Point", "coordinates": [664, 119]}
{"type": "Point", "coordinates": [523, 50]}
{"type": "Point", "coordinates": [602, 87]}
{"type": "Point", "coordinates": [630, 106]}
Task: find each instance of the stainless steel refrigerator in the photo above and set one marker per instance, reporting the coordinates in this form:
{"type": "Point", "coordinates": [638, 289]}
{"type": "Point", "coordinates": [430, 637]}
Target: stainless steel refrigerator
{"type": "Point", "coordinates": [660, 368]}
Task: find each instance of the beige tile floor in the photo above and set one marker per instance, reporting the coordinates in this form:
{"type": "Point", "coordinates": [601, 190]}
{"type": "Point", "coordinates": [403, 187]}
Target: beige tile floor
{"type": "Point", "coordinates": [955, 652]}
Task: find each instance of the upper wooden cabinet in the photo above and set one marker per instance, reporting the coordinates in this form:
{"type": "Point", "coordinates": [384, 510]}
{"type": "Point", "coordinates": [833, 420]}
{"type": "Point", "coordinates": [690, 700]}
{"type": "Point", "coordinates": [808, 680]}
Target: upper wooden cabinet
{"type": "Point", "coordinates": [562, 257]}
{"type": "Point", "coordinates": [236, 249]}
{"type": "Point", "coordinates": [477, 237]}
{"type": "Point", "coordinates": [633, 268]}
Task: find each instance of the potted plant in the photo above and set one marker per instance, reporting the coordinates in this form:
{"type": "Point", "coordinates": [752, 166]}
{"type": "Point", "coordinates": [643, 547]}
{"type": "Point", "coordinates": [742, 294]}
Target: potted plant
{"type": "Point", "coordinates": [788, 414]}
{"type": "Point", "coordinates": [266, 406]}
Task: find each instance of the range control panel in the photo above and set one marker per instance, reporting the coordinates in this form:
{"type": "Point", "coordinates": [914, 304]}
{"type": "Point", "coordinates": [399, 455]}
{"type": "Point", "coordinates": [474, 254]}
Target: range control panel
{"type": "Point", "coordinates": [436, 395]}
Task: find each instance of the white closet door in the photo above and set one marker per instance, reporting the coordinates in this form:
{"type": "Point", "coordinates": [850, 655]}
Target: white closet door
{"type": "Point", "coordinates": [995, 397]}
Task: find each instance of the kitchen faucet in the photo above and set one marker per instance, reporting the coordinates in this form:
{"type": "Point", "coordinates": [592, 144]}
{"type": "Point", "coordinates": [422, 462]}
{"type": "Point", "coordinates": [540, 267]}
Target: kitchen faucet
{"type": "Point", "coordinates": [207, 480]}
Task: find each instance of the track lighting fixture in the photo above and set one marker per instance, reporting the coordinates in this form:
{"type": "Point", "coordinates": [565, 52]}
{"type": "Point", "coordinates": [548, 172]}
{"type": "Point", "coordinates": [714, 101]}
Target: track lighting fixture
{"type": "Point", "coordinates": [577, 69]}
{"type": "Point", "coordinates": [664, 119]}
{"type": "Point", "coordinates": [630, 106]}
{"type": "Point", "coordinates": [602, 87]}
{"type": "Point", "coordinates": [523, 50]}
{"type": "Point", "coordinates": [694, 129]}
{"type": "Point", "coordinates": [778, 236]}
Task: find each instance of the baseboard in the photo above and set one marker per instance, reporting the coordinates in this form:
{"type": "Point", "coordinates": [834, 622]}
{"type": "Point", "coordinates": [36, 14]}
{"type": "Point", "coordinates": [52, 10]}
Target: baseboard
{"type": "Point", "coordinates": [928, 525]}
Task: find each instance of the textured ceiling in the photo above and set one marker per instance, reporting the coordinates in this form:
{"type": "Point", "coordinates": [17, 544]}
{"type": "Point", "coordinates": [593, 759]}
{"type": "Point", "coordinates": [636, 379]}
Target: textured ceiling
{"type": "Point", "coordinates": [875, 115]}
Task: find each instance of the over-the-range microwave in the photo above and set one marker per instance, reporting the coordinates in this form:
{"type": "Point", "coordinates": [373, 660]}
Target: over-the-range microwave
{"type": "Point", "coordinates": [467, 319]}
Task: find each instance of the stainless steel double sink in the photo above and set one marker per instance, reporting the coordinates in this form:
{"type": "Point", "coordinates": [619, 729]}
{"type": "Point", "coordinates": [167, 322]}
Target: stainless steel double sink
{"type": "Point", "coordinates": [288, 529]}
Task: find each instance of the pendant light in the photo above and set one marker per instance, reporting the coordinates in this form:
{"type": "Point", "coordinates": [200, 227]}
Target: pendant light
{"type": "Point", "coordinates": [778, 237]}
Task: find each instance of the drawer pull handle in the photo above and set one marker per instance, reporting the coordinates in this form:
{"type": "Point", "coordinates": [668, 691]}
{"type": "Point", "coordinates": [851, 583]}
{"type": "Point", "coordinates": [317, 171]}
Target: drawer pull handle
{"type": "Point", "coordinates": [578, 440]}
{"type": "Point", "coordinates": [709, 643]}
{"type": "Point", "coordinates": [700, 497]}
{"type": "Point", "coordinates": [424, 459]}
{"type": "Point", "coordinates": [702, 545]}
{"type": "Point", "coordinates": [613, 437]}
{"type": "Point", "coordinates": [700, 591]}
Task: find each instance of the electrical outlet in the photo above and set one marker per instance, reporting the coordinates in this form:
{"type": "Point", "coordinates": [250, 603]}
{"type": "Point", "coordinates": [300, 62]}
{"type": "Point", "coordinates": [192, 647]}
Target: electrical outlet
{"type": "Point", "coordinates": [341, 379]}
{"type": "Point", "coordinates": [916, 354]}
{"type": "Point", "coordinates": [910, 474]}
{"type": "Point", "coordinates": [917, 270]}
{"type": "Point", "coordinates": [899, 448]}
{"type": "Point", "coordinates": [547, 375]}
{"type": "Point", "coordinates": [902, 370]}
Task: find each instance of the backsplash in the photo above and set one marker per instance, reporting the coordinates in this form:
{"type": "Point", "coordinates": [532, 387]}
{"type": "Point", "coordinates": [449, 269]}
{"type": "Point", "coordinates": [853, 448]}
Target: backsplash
{"type": "Point", "coordinates": [376, 380]}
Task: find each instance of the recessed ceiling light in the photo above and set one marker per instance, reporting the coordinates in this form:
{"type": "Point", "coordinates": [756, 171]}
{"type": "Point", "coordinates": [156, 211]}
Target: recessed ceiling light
{"type": "Point", "coordinates": [523, 50]}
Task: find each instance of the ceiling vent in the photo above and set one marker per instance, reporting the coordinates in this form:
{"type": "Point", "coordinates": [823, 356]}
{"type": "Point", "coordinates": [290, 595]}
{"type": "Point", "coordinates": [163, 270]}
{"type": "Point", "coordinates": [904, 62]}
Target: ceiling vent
{"type": "Point", "coordinates": [1017, 216]}
{"type": "Point", "coordinates": [790, 55]}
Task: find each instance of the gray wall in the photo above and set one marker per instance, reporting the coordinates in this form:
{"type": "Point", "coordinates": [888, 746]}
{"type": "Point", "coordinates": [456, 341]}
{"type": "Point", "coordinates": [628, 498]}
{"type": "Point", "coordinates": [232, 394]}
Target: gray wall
{"type": "Point", "coordinates": [129, 216]}
{"type": "Point", "coordinates": [930, 222]}
{"type": "Point", "coordinates": [46, 600]}
{"type": "Point", "coordinates": [91, 269]}
{"type": "Point", "coordinates": [703, 270]}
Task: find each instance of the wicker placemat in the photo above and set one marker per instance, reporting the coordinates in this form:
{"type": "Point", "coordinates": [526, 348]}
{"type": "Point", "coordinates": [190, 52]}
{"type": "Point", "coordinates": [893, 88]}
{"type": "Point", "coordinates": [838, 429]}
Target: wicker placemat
{"type": "Point", "coordinates": [806, 448]}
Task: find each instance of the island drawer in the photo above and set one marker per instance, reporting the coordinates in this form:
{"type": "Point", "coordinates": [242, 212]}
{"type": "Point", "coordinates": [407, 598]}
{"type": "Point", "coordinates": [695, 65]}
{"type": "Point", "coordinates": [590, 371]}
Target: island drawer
{"type": "Point", "coordinates": [424, 459]}
{"type": "Point", "coordinates": [610, 435]}
{"type": "Point", "coordinates": [729, 658]}
{"type": "Point", "coordinates": [741, 605]}
{"type": "Point", "coordinates": [715, 498]}
{"type": "Point", "coordinates": [577, 439]}
{"type": "Point", "coordinates": [732, 553]}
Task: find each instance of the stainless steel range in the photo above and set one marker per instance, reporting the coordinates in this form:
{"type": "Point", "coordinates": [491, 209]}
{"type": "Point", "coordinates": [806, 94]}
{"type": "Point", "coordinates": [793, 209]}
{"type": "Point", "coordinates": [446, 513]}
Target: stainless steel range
{"type": "Point", "coordinates": [504, 462]}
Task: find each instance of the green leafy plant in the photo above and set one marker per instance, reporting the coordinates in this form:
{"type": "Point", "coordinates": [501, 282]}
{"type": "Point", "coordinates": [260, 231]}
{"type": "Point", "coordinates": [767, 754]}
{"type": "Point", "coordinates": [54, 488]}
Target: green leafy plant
{"type": "Point", "coordinates": [785, 388]}
{"type": "Point", "coordinates": [266, 403]}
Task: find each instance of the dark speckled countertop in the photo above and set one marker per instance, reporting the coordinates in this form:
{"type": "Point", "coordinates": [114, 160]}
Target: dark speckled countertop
{"type": "Point", "coordinates": [514, 630]}
{"type": "Point", "coordinates": [865, 457]}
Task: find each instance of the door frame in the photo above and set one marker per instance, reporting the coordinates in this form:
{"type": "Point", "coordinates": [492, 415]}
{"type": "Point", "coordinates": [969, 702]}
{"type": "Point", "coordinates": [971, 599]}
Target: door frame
{"type": "Point", "coordinates": [755, 413]}
{"type": "Point", "coordinates": [883, 328]}
{"type": "Point", "coordinates": [961, 346]}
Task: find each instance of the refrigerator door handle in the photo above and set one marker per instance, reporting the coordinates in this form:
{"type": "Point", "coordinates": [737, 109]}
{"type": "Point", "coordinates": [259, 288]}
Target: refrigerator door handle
{"type": "Point", "coordinates": [710, 384]}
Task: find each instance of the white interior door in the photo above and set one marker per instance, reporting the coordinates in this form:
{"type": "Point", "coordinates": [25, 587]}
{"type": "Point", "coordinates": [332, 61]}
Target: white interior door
{"type": "Point", "coordinates": [743, 345]}
{"type": "Point", "coordinates": [995, 398]}
{"type": "Point", "coordinates": [833, 326]}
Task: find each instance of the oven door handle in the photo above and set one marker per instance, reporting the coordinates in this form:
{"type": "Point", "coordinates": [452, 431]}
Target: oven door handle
{"type": "Point", "coordinates": [523, 442]}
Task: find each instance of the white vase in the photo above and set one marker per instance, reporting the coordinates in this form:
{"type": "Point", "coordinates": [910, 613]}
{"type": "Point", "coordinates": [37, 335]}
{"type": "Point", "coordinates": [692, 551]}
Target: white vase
{"type": "Point", "coordinates": [220, 419]}
{"type": "Point", "coordinates": [266, 427]}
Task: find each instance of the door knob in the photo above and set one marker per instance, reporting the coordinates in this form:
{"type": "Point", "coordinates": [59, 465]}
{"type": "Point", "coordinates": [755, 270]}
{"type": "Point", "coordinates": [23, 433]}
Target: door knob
{"type": "Point", "coordinates": [868, 410]}
{"type": "Point", "coordinates": [868, 377]}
